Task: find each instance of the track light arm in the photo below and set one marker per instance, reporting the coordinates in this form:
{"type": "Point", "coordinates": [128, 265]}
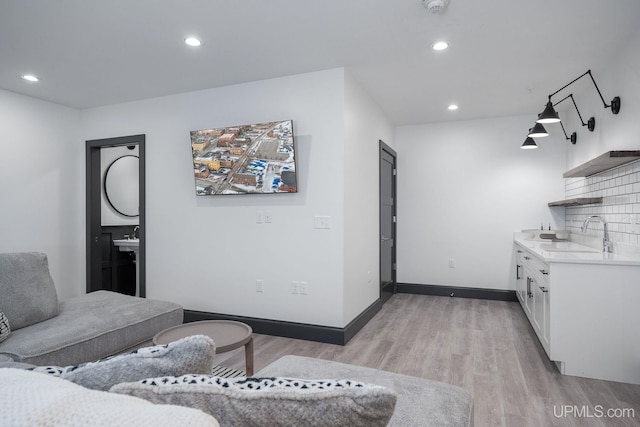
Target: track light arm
{"type": "Point", "coordinates": [573, 138]}
{"type": "Point", "coordinates": [591, 123]}
{"type": "Point", "coordinates": [615, 102]}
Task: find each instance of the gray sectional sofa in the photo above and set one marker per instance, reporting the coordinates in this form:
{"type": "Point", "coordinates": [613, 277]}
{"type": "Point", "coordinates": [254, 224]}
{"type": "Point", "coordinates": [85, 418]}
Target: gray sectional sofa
{"type": "Point", "coordinates": [81, 329]}
{"type": "Point", "coordinates": [173, 375]}
{"type": "Point", "coordinates": [102, 323]}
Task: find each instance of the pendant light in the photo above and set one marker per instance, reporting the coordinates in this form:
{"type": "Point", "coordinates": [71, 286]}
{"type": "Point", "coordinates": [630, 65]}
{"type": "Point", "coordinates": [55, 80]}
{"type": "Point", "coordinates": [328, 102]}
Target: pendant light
{"type": "Point", "coordinates": [538, 131]}
{"type": "Point", "coordinates": [529, 144]}
{"type": "Point", "coordinates": [549, 114]}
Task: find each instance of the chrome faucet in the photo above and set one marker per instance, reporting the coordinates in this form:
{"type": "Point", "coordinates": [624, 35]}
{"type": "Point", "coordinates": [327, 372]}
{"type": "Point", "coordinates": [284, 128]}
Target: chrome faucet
{"type": "Point", "coordinates": [135, 232]}
{"type": "Point", "coordinates": [607, 246]}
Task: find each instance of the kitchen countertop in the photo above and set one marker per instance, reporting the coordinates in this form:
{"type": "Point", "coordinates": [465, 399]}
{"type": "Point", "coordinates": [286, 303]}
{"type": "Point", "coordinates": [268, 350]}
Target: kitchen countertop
{"type": "Point", "coordinates": [572, 252]}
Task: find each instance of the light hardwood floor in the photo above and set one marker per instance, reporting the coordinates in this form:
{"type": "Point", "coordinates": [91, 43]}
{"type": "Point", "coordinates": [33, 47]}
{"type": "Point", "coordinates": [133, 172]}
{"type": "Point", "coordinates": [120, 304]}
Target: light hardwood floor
{"type": "Point", "coordinates": [486, 347]}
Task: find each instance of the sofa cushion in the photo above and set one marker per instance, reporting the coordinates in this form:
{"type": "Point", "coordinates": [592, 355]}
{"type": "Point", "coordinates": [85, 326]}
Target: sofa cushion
{"type": "Point", "coordinates": [27, 290]}
{"type": "Point", "coordinates": [271, 401]}
{"type": "Point", "coordinates": [5, 329]}
{"type": "Point", "coordinates": [90, 327]}
{"type": "Point", "coordinates": [190, 355]}
{"type": "Point", "coordinates": [421, 402]}
{"type": "Point", "coordinates": [30, 399]}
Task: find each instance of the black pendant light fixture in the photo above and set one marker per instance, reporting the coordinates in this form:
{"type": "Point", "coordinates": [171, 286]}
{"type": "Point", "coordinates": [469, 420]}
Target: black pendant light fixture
{"type": "Point", "coordinates": [550, 115]}
{"type": "Point", "coordinates": [537, 131]}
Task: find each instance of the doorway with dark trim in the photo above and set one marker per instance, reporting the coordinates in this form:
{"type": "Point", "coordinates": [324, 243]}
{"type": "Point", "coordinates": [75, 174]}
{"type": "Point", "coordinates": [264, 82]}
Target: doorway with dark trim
{"type": "Point", "coordinates": [107, 267]}
{"type": "Point", "coordinates": [388, 283]}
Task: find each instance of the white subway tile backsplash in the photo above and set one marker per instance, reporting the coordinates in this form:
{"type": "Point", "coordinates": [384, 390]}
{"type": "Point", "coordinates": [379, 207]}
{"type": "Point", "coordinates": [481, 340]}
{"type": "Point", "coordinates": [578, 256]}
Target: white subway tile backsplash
{"type": "Point", "coordinates": [620, 190]}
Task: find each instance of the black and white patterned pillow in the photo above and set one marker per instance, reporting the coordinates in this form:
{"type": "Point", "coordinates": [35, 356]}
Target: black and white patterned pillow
{"type": "Point", "coordinates": [63, 371]}
{"type": "Point", "coordinates": [251, 383]}
{"type": "Point", "coordinates": [5, 329]}
{"type": "Point", "coordinates": [190, 355]}
{"type": "Point", "coordinates": [271, 401]}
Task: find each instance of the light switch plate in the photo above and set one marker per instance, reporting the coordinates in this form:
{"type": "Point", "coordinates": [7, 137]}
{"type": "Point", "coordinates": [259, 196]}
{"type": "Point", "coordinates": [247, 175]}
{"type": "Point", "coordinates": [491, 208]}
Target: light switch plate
{"type": "Point", "coordinates": [322, 222]}
{"type": "Point", "coordinates": [295, 287]}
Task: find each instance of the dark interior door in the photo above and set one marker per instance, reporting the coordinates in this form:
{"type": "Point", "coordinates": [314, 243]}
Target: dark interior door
{"type": "Point", "coordinates": [99, 246]}
{"type": "Point", "coordinates": [387, 221]}
{"type": "Point", "coordinates": [94, 223]}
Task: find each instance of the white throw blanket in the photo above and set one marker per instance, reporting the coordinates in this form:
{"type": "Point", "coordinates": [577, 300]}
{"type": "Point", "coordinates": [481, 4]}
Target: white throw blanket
{"type": "Point", "coordinates": [34, 399]}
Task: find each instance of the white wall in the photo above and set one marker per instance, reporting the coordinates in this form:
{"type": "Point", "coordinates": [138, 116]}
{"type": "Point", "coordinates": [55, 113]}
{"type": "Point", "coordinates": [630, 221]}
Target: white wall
{"type": "Point", "coordinates": [42, 186]}
{"type": "Point", "coordinates": [463, 189]}
{"type": "Point", "coordinates": [365, 125]}
{"type": "Point", "coordinates": [207, 252]}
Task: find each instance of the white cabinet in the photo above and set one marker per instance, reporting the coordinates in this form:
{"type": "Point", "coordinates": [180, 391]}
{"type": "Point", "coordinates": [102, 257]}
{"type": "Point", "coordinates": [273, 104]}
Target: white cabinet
{"type": "Point", "coordinates": [533, 291]}
{"type": "Point", "coordinates": [585, 314]}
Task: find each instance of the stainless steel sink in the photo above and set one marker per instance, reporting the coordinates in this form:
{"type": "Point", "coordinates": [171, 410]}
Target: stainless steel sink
{"type": "Point", "coordinates": [127, 245]}
{"type": "Point", "coordinates": [567, 247]}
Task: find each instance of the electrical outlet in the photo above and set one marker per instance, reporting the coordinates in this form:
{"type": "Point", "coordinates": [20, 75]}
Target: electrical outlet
{"type": "Point", "coordinates": [304, 288]}
{"type": "Point", "coordinates": [267, 217]}
{"type": "Point", "coordinates": [452, 263]}
{"type": "Point", "coordinates": [259, 217]}
{"type": "Point", "coordinates": [259, 285]}
{"type": "Point", "coordinates": [323, 222]}
{"type": "Point", "coordinates": [295, 287]}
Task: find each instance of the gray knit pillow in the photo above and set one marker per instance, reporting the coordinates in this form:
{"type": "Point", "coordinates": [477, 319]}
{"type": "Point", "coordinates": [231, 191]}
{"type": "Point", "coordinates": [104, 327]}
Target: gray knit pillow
{"type": "Point", "coordinates": [271, 401]}
{"type": "Point", "coordinates": [190, 355]}
{"type": "Point", "coordinates": [28, 293]}
{"type": "Point", "coordinates": [5, 329]}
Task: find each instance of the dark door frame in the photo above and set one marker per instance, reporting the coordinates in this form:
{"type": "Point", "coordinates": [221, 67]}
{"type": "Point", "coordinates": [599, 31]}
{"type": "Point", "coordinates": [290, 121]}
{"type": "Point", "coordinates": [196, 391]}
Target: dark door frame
{"type": "Point", "coordinates": [93, 206]}
{"type": "Point", "coordinates": [385, 149]}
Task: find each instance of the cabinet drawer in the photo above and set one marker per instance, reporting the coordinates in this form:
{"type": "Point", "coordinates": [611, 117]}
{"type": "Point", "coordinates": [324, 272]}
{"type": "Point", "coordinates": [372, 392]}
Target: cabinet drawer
{"type": "Point", "coordinates": [540, 272]}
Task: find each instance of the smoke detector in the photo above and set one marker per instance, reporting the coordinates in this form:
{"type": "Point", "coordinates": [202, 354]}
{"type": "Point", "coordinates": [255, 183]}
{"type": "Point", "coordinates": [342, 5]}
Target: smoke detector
{"type": "Point", "coordinates": [435, 6]}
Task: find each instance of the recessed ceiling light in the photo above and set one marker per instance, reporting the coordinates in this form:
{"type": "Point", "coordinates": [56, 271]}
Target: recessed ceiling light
{"type": "Point", "coordinates": [452, 107]}
{"type": "Point", "coordinates": [192, 41]}
{"type": "Point", "coordinates": [30, 78]}
{"type": "Point", "coordinates": [441, 45]}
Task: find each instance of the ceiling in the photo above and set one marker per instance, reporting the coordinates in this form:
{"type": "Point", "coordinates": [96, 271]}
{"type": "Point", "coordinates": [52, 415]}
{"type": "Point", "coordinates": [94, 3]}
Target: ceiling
{"type": "Point", "coordinates": [505, 57]}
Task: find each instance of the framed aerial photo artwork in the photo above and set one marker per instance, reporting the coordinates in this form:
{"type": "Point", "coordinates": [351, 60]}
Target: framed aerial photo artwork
{"type": "Point", "coordinates": [247, 159]}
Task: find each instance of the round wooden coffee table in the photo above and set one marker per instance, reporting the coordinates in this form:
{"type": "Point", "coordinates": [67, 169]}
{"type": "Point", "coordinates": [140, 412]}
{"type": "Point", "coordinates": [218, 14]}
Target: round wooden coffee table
{"type": "Point", "coordinates": [227, 334]}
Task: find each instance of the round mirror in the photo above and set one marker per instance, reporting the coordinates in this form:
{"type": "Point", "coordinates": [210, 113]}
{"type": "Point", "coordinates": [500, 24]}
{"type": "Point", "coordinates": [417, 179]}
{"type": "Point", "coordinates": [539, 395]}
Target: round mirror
{"type": "Point", "coordinates": [121, 185]}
